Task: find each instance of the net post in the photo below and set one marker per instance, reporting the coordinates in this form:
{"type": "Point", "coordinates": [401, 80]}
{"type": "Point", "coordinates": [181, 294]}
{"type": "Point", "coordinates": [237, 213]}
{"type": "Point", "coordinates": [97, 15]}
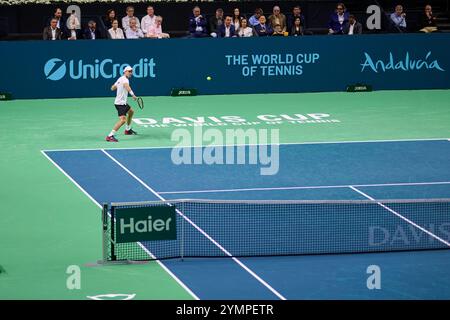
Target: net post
{"type": "Point", "coordinates": [182, 233]}
{"type": "Point", "coordinates": [105, 232]}
{"type": "Point", "coordinates": [113, 234]}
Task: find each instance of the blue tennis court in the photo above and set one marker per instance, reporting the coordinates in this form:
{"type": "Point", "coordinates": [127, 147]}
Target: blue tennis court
{"type": "Point", "coordinates": [323, 171]}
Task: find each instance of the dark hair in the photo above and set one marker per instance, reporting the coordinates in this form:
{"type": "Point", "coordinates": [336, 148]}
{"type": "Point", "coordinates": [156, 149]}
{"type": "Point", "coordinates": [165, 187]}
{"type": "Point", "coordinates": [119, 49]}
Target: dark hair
{"type": "Point", "coordinates": [109, 11]}
{"type": "Point", "coordinates": [233, 16]}
{"type": "Point", "coordinates": [259, 10]}
{"type": "Point", "coordinates": [352, 16]}
{"type": "Point", "coordinates": [340, 4]}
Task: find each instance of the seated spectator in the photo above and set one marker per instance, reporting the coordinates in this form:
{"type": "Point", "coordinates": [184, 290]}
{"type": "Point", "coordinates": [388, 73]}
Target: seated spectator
{"type": "Point", "coordinates": [263, 30]}
{"type": "Point", "coordinates": [155, 30]}
{"type": "Point", "coordinates": [236, 19]}
{"type": "Point", "coordinates": [353, 26]}
{"type": "Point", "coordinates": [197, 24]}
{"type": "Point", "coordinates": [60, 21]}
{"type": "Point", "coordinates": [109, 18]}
{"type": "Point", "coordinates": [126, 19]}
{"type": "Point", "coordinates": [398, 19]}
{"type": "Point", "coordinates": [296, 13]}
{"type": "Point", "coordinates": [254, 19]}
{"type": "Point", "coordinates": [134, 32]}
{"type": "Point", "coordinates": [73, 26]}
{"type": "Point", "coordinates": [148, 20]}
{"type": "Point", "coordinates": [52, 32]}
{"type": "Point", "coordinates": [245, 30]}
{"type": "Point", "coordinates": [92, 33]}
{"type": "Point", "coordinates": [297, 29]}
{"type": "Point", "coordinates": [215, 22]}
{"type": "Point", "coordinates": [338, 20]}
{"type": "Point", "coordinates": [227, 30]}
{"type": "Point", "coordinates": [277, 18]}
{"type": "Point", "coordinates": [115, 32]}
{"type": "Point", "coordinates": [277, 31]}
{"type": "Point", "coordinates": [427, 22]}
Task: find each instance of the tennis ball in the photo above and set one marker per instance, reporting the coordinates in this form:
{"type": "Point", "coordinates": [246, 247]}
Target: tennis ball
{"type": "Point", "coordinates": [208, 78]}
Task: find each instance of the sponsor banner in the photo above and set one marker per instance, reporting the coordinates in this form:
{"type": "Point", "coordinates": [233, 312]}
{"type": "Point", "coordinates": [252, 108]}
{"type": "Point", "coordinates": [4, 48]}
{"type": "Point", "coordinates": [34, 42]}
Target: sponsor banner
{"type": "Point", "coordinates": [145, 224]}
{"type": "Point", "coordinates": [224, 66]}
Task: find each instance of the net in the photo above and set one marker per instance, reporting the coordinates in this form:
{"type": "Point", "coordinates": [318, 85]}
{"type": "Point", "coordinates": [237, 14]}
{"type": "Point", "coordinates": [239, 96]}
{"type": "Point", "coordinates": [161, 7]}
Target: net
{"type": "Point", "coordinates": [209, 228]}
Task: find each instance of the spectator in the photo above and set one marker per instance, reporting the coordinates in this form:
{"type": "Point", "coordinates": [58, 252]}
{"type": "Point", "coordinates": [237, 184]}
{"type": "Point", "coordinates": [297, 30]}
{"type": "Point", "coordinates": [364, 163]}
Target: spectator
{"type": "Point", "coordinates": [109, 18]}
{"type": "Point", "coordinates": [338, 20]}
{"type": "Point", "coordinates": [73, 26]}
{"type": "Point", "coordinates": [277, 31]}
{"type": "Point", "coordinates": [254, 19]}
{"type": "Point", "coordinates": [197, 24]}
{"type": "Point", "coordinates": [115, 32]}
{"type": "Point", "coordinates": [227, 30]}
{"type": "Point", "coordinates": [237, 19]}
{"type": "Point", "coordinates": [126, 19]}
{"type": "Point", "coordinates": [148, 20]}
{"type": "Point", "coordinates": [52, 32]}
{"type": "Point", "coordinates": [398, 19]}
{"type": "Point", "coordinates": [92, 33]}
{"type": "Point", "coordinates": [353, 26]}
{"type": "Point", "coordinates": [296, 13]}
{"type": "Point", "coordinates": [427, 21]}
{"type": "Point", "coordinates": [134, 32]}
{"type": "Point", "coordinates": [263, 30]}
{"type": "Point", "coordinates": [297, 29]}
{"type": "Point", "coordinates": [60, 22]}
{"type": "Point", "coordinates": [216, 22]}
{"type": "Point", "coordinates": [155, 30]}
{"type": "Point", "coordinates": [245, 31]}
{"type": "Point", "coordinates": [277, 18]}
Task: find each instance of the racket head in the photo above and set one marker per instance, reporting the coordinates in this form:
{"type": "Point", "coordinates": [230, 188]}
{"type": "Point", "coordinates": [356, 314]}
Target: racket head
{"type": "Point", "coordinates": [140, 102]}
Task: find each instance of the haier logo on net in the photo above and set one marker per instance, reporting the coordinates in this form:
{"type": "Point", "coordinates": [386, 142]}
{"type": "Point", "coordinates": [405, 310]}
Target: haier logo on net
{"type": "Point", "coordinates": [55, 69]}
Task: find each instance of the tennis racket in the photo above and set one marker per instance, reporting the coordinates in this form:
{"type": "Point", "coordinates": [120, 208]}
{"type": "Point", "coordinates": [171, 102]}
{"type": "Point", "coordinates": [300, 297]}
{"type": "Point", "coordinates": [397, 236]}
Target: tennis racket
{"type": "Point", "coordinates": [140, 102]}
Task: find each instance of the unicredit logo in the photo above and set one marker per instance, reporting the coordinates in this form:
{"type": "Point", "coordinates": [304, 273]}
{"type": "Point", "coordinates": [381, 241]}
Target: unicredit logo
{"type": "Point", "coordinates": [55, 69]}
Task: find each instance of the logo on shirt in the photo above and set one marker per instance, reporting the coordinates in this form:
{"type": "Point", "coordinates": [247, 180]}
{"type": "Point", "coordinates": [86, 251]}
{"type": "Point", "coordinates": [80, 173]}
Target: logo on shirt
{"type": "Point", "coordinates": [55, 69]}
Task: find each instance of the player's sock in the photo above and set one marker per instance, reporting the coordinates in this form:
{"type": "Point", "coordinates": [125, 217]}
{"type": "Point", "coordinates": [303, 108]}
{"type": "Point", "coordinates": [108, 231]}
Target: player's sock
{"type": "Point", "coordinates": [113, 132]}
{"type": "Point", "coordinates": [127, 127]}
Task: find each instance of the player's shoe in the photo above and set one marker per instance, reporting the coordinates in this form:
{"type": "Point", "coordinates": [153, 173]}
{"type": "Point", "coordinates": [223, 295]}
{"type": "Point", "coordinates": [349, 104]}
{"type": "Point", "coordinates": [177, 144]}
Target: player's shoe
{"type": "Point", "coordinates": [111, 139]}
{"type": "Point", "coordinates": [130, 132]}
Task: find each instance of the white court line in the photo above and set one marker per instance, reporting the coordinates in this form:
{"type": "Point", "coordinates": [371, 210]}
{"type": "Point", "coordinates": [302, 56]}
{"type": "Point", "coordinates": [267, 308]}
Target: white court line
{"type": "Point", "coordinates": [309, 187]}
{"type": "Point", "coordinates": [140, 244]}
{"type": "Point", "coordinates": [240, 263]}
{"type": "Point", "coordinates": [236, 145]}
{"type": "Point", "coordinates": [401, 217]}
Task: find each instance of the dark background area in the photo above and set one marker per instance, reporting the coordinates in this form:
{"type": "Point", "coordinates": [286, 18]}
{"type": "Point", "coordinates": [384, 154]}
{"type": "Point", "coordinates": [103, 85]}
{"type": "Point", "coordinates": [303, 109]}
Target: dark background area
{"type": "Point", "coordinates": [28, 21]}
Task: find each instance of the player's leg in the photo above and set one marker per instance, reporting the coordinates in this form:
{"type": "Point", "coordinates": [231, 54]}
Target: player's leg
{"type": "Point", "coordinates": [128, 130]}
{"type": "Point", "coordinates": [122, 113]}
{"type": "Point", "coordinates": [122, 120]}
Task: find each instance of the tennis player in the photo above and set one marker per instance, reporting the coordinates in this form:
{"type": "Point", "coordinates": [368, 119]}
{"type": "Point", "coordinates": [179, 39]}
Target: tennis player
{"type": "Point", "coordinates": [124, 110]}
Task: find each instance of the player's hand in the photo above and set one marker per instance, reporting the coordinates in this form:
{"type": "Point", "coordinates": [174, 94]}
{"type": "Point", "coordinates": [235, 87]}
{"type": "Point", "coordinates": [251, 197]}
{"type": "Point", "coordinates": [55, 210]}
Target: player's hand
{"type": "Point", "coordinates": [134, 98]}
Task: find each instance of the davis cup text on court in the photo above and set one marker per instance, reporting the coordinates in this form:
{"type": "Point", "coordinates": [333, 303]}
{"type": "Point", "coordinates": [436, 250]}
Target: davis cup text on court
{"type": "Point", "coordinates": [233, 309]}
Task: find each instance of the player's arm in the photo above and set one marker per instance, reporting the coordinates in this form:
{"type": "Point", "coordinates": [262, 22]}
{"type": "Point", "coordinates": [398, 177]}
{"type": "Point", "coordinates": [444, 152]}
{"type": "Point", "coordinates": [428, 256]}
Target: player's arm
{"type": "Point", "coordinates": [113, 87]}
{"type": "Point", "coordinates": [128, 88]}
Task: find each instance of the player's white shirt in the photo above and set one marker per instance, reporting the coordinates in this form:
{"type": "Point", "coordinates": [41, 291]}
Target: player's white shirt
{"type": "Point", "coordinates": [122, 93]}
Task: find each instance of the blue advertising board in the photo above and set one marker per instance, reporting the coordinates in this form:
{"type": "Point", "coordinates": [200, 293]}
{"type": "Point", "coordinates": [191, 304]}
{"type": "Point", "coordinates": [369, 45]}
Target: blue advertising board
{"type": "Point", "coordinates": [56, 69]}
